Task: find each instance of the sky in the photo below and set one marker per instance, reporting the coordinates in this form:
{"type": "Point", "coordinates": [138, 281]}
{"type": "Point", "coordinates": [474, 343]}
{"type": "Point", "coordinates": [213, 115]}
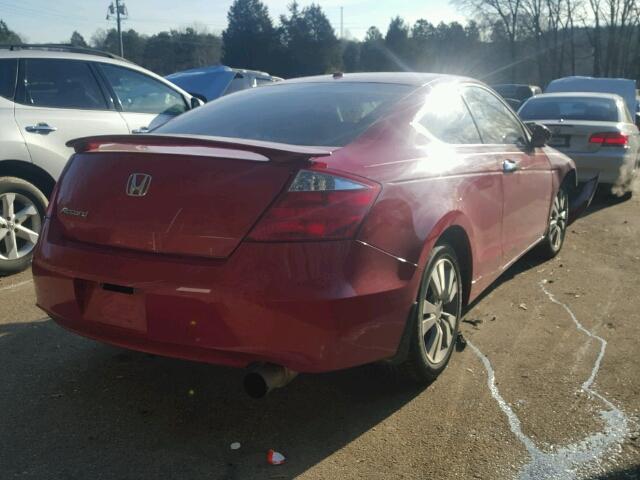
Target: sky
{"type": "Point", "coordinates": [39, 21]}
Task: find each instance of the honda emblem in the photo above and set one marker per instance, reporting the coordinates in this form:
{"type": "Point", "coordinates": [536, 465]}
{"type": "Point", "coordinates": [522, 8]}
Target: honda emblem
{"type": "Point", "coordinates": [138, 184]}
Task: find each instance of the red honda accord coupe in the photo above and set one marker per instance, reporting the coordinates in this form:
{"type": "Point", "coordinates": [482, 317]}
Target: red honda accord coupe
{"type": "Point", "coordinates": [307, 226]}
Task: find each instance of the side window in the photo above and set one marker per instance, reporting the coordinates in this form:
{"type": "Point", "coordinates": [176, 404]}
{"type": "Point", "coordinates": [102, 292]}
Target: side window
{"type": "Point", "coordinates": [8, 69]}
{"type": "Point", "coordinates": [447, 118]}
{"type": "Point", "coordinates": [625, 115]}
{"type": "Point", "coordinates": [139, 93]}
{"type": "Point", "coordinates": [263, 81]}
{"type": "Point", "coordinates": [495, 121]}
{"type": "Point", "coordinates": [61, 84]}
{"type": "Point", "coordinates": [239, 82]}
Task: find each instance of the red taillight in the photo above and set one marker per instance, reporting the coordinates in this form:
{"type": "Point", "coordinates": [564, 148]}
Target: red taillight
{"type": "Point", "coordinates": [613, 139]}
{"type": "Point", "coordinates": [319, 205]}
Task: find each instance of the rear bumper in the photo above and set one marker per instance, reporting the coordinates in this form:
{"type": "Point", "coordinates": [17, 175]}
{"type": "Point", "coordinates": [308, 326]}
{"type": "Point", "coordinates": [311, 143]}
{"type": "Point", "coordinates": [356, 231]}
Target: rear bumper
{"type": "Point", "coordinates": [608, 165]}
{"type": "Point", "coordinates": [311, 307]}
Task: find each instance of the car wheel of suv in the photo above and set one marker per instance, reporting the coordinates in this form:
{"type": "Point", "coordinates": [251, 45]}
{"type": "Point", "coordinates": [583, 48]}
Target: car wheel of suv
{"type": "Point", "coordinates": [22, 211]}
{"type": "Point", "coordinates": [557, 228]}
{"type": "Point", "coordinates": [435, 328]}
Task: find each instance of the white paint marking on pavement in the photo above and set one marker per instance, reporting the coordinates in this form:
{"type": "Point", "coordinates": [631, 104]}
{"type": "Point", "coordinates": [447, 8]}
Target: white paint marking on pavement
{"type": "Point", "coordinates": [15, 285]}
{"type": "Point", "coordinates": [564, 462]}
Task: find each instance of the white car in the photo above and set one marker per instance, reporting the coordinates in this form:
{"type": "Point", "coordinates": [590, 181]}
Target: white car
{"type": "Point", "coordinates": [48, 96]}
{"type": "Point", "coordinates": [618, 86]}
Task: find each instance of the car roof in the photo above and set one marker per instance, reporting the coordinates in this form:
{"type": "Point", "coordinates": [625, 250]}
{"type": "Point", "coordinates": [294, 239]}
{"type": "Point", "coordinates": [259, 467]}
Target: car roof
{"type": "Point", "coordinates": [401, 78]}
{"type": "Point", "coordinates": [611, 96]}
{"type": "Point", "coordinates": [51, 52]}
{"type": "Point", "coordinates": [526, 85]}
{"type": "Point", "coordinates": [202, 70]}
{"type": "Point", "coordinates": [217, 69]}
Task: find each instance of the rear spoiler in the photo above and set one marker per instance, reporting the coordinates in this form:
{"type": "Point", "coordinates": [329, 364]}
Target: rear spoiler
{"type": "Point", "coordinates": [276, 152]}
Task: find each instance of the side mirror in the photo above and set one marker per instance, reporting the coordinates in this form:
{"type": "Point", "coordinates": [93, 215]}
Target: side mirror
{"type": "Point", "coordinates": [638, 120]}
{"type": "Point", "coordinates": [197, 100]}
{"type": "Point", "coordinates": [540, 134]}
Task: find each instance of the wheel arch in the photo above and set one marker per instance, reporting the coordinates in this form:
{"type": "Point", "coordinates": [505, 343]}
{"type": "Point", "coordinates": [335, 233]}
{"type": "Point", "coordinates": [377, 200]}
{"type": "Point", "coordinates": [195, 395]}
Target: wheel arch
{"type": "Point", "coordinates": [456, 237]}
{"type": "Point", "coordinates": [456, 230]}
{"type": "Point", "coordinates": [569, 180]}
{"type": "Point", "coordinates": [33, 174]}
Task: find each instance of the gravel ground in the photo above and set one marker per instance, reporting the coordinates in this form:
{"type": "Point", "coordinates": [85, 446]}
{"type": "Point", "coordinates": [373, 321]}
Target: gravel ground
{"type": "Point", "coordinates": [71, 408]}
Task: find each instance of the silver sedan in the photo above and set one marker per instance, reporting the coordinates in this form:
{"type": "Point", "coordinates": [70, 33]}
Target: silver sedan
{"type": "Point", "coordinates": [595, 129]}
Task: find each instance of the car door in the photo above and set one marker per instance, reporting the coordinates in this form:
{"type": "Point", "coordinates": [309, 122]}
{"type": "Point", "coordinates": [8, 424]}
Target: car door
{"type": "Point", "coordinates": [473, 172]}
{"type": "Point", "coordinates": [144, 102]}
{"type": "Point", "coordinates": [59, 100]}
{"type": "Point", "coordinates": [526, 172]}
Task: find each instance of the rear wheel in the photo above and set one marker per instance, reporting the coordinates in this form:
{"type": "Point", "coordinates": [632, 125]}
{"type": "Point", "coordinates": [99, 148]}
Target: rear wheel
{"type": "Point", "coordinates": [435, 327]}
{"type": "Point", "coordinates": [557, 228]}
{"type": "Point", "coordinates": [22, 210]}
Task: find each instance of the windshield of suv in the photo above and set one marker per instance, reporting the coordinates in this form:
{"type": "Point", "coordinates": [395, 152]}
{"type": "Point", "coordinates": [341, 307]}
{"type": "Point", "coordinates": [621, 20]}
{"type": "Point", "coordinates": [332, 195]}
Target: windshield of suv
{"type": "Point", "coordinates": [322, 114]}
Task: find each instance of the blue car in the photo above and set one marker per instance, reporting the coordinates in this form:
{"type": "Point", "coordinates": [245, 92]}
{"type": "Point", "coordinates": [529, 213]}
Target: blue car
{"type": "Point", "coordinates": [209, 83]}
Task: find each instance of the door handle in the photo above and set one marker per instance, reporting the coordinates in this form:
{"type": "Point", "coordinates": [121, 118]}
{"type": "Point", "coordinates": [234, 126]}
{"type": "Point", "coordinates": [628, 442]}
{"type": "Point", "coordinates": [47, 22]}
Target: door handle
{"type": "Point", "coordinates": [509, 166]}
{"type": "Point", "coordinates": [42, 128]}
{"type": "Point", "coordinates": [141, 130]}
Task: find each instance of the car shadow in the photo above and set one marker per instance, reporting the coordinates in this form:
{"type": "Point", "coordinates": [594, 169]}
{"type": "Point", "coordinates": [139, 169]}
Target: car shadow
{"type": "Point", "coordinates": [604, 199]}
{"type": "Point", "coordinates": [72, 408]}
{"type": "Point", "coordinates": [529, 261]}
{"type": "Point", "coordinates": [601, 200]}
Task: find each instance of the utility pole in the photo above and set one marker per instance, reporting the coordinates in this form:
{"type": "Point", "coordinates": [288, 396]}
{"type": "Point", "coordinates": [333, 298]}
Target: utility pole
{"type": "Point", "coordinates": [341, 23]}
{"type": "Point", "coordinates": [120, 12]}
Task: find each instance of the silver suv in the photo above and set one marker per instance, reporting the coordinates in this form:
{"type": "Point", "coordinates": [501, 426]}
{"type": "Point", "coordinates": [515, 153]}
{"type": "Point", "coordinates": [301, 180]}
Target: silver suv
{"type": "Point", "coordinates": [50, 94]}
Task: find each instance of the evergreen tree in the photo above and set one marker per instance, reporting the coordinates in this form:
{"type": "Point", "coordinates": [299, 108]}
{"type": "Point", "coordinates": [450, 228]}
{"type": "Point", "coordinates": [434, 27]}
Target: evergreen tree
{"type": "Point", "coordinates": [8, 36]}
{"type": "Point", "coordinates": [77, 40]}
{"type": "Point", "coordinates": [309, 42]}
{"type": "Point", "coordinates": [250, 40]}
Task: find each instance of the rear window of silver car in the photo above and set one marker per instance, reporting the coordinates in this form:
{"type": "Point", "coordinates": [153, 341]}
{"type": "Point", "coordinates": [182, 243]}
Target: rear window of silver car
{"type": "Point", "coordinates": [571, 108]}
{"type": "Point", "coordinates": [322, 114]}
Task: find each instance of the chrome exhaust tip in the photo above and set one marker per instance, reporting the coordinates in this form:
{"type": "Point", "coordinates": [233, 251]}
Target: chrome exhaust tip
{"type": "Point", "coordinates": [259, 381]}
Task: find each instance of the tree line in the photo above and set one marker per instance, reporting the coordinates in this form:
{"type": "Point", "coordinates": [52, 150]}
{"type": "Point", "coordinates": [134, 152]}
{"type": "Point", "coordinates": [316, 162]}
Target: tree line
{"type": "Point", "coordinates": [524, 41]}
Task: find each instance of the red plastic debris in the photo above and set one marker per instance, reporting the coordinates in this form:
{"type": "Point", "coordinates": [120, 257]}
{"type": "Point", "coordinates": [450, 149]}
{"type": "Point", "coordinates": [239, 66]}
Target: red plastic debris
{"type": "Point", "coordinates": [275, 458]}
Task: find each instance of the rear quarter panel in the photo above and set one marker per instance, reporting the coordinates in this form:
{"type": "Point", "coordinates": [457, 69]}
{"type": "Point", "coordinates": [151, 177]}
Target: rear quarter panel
{"type": "Point", "coordinates": [428, 187]}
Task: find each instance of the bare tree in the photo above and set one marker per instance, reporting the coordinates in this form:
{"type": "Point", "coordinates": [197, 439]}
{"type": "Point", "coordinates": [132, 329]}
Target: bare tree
{"type": "Point", "coordinates": [595, 36]}
{"type": "Point", "coordinates": [533, 25]}
{"type": "Point", "coordinates": [619, 20]}
{"type": "Point", "coordinates": [572, 7]}
{"type": "Point", "coordinates": [507, 12]}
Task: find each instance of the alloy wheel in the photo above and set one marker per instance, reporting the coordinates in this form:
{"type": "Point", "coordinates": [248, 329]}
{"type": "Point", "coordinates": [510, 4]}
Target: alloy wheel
{"type": "Point", "coordinates": [558, 219]}
{"type": "Point", "coordinates": [440, 311]}
{"type": "Point", "coordinates": [20, 225]}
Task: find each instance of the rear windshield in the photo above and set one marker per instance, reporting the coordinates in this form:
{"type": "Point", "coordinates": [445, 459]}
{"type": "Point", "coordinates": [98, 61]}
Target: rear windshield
{"type": "Point", "coordinates": [571, 108]}
{"type": "Point", "coordinates": [322, 114]}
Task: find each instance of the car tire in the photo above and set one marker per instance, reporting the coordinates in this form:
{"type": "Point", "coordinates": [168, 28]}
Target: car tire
{"type": "Point", "coordinates": [22, 211]}
{"type": "Point", "coordinates": [434, 326]}
{"type": "Point", "coordinates": [552, 243]}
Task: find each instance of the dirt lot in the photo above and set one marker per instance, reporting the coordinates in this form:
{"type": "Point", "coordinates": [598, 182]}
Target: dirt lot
{"type": "Point", "coordinates": [71, 408]}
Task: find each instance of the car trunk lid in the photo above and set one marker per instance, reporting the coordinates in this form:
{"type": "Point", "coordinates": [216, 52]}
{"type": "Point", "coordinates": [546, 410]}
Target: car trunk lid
{"type": "Point", "coordinates": [572, 136]}
{"type": "Point", "coordinates": [172, 195]}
